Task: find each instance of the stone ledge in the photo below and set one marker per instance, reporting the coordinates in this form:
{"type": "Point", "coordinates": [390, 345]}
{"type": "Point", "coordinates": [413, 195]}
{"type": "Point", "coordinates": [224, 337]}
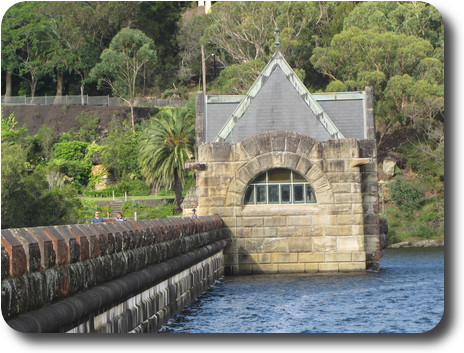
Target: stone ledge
{"type": "Point", "coordinates": [428, 243]}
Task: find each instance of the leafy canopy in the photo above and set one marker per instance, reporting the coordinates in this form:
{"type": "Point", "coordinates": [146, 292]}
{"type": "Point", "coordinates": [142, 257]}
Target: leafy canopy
{"type": "Point", "coordinates": [166, 144]}
{"type": "Point", "coordinates": [120, 65]}
{"type": "Point", "coordinates": [130, 53]}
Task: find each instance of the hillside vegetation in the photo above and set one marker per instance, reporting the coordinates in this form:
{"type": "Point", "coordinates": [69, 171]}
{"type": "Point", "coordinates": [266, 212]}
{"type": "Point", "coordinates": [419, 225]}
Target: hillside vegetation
{"type": "Point", "coordinates": [137, 49]}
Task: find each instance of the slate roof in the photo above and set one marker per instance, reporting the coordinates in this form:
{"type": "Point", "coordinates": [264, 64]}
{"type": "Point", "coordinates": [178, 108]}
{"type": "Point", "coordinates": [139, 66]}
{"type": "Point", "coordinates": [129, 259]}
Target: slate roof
{"type": "Point", "coordinates": [278, 100]}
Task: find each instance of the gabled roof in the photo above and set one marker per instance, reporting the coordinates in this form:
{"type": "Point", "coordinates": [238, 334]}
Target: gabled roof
{"type": "Point", "coordinates": [279, 62]}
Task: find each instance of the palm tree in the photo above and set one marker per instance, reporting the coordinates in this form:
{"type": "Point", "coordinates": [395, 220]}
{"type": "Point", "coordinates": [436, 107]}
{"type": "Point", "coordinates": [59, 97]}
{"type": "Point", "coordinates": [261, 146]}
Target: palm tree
{"type": "Point", "coordinates": [166, 144]}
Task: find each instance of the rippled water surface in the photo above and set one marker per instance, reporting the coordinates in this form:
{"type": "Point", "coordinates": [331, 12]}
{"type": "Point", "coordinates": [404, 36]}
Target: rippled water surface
{"type": "Point", "coordinates": [406, 295]}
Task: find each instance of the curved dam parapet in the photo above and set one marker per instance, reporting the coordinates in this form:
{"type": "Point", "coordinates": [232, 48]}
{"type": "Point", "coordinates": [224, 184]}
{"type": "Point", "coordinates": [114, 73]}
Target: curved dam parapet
{"type": "Point", "coordinates": [110, 277]}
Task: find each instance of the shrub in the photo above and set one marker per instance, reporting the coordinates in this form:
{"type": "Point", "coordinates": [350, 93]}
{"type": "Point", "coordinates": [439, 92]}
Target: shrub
{"type": "Point", "coordinates": [70, 150]}
{"type": "Point", "coordinates": [424, 223]}
{"type": "Point", "coordinates": [422, 231]}
{"type": "Point", "coordinates": [135, 187]}
{"type": "Point", "coordinates": [146, 212]}
{"type": "Point", "coordinates": [406, 195]}
{"type": "Point", "coordinates": [120, 155]}
{"type": "Point", "coordinates": [107, 192]}
{"type": "Point", "coordinates": [88, 131]}
{"type": "Point", "coordinates": [78, 172]}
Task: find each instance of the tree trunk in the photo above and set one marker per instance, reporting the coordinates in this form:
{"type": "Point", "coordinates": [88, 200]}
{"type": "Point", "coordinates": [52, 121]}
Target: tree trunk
{"type": "Point", "coordinates": [59, 87]}
{"type": "Point", "coordinates": [82, 94]}
{"type": "Point", "coordinates": [33, 84]}
{"type": "Point", "coordinates": [59, 83]}
{"type": "Point", "coordinates": [8, 86]}
{"type": "Point", "coordinates": [177, 192]}
{"type": "Point", "coordinates": [132, 116]}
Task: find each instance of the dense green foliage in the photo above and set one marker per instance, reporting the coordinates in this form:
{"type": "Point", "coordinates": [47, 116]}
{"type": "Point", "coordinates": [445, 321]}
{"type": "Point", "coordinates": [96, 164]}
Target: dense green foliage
{"type": "Point", "coordinates": [42, 174]}
{"type": "Point", "coordinates": [121, 150]}
{"type": "Point", "coordinates": [145, 212]}
{"type": "Point", "coordinates": [32, 194]}
{"type": "Point", "coordinates": [167, 143]}
{"type": "Point", "coordinates": [130, 54]}
{"type": "Point", "coordinates": [136, 48]}
{"type": "Point", "coordinates": [406, 196]}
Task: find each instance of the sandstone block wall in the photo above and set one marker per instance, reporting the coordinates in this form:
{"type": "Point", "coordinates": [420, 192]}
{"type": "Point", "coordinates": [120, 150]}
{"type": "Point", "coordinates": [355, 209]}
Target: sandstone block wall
{"type": "Point", "coordinates": [45, 270]}
{"type": "Point", "coordinates": [337, 233]}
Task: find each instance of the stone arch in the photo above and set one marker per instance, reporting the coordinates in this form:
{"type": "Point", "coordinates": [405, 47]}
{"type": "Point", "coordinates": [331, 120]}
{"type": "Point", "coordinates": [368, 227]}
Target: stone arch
{"type": "Point", "coordinates": [279, 159]}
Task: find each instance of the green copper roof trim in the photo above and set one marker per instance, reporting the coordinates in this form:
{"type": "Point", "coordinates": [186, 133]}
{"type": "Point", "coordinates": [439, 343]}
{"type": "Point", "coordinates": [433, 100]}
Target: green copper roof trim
{"type": "Point", "coordinates": [278, 60]}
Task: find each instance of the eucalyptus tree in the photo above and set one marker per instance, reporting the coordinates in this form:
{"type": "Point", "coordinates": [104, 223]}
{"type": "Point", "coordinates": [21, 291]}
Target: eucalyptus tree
{"type": "Point", "coordinates": [166, 144]}
{"type": "Point", "coordinates": [413, 18]}
{"type": "Point", "coordinates": [242, 33]}
{"type": "Point", "coordinates": [122, 64]}
{"type": "Point", "coordinates": [406, 77]}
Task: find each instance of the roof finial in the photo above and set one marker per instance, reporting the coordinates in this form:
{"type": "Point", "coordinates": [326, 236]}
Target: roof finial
{"type": "Point", "coordinates": [276, 34]}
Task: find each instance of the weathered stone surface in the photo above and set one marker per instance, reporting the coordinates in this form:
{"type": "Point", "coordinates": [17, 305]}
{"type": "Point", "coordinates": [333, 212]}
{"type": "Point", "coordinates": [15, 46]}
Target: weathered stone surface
{"type": "Point", "coordinates": [5, 263]}
{"type": "Point", "coordinates": [291, 268]}
{"type": "Point", "coordinates": [49, 278]}
{"type": "Point", "coordinates": [388, 166]}
{"type": "Point", "coordinates": [59, 244]}
{"type": "Point", "coordinates": [311, 257]}
{"type": "Point", "coordinates": [329, 267]}
{"type": "Point", "coordinates": [352, 266]}
{"type": "Point", "coordinates": [293, 141]}
{"type": "Point", "coordinates": [31, 247]}
{"type": "Point", "coordinates": [278, 140]}
{"type": "Point", "coordinates": [81, 240]}
{"type": "Point", "coordinates": [16, 253]}
{"type": "Point", "coordinates": [47, 252]}
{"type": "Point", "coordinates": [350, 244]}
{"type": "Point", "coordinates": [324, 244]}
{"type": "Point", "coordinates": [346, 193]}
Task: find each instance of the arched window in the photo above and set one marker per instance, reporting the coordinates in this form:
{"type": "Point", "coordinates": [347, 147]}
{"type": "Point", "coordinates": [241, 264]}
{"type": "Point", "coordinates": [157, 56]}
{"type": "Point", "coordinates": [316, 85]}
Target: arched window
{"type": "Point", "coordinates": [279, 186]}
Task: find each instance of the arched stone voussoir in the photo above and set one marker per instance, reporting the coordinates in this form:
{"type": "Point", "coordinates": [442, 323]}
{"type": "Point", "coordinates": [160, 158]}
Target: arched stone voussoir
{"type": "Point", "coordinates": [277, 141]}
{"type": "Point", "coordinates": [278, 159]}
{"type": "Point", "coordinates": [320, 183]}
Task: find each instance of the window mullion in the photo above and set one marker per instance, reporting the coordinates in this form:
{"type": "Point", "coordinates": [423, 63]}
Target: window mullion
{"type": "Point", "coordinates": [281, 184]}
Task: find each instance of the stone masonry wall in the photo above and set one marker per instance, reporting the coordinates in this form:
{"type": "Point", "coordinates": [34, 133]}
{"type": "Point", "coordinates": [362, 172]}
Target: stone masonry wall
{"type": "Point", "coordinates": [330, 235]}
{"type": "Point", "coordinates": [47, 269]}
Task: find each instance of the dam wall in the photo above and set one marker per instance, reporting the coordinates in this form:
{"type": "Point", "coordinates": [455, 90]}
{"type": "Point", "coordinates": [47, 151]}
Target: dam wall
{"type": "Point", "coordinates": [113, 277]}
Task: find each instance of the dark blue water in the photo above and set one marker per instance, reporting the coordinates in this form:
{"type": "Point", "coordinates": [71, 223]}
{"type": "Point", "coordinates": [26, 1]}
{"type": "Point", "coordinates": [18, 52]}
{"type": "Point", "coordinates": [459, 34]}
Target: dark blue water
{"type": "Point", "coordinates": [405, 296]}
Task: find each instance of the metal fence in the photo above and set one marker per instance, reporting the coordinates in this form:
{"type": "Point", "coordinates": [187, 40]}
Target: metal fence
{"type": "Point", "coordinates": [147, 102]}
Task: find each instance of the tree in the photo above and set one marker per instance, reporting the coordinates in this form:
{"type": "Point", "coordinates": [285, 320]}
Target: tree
{"type": "Point", "coordinates": [166, 144]}
{"type": "Point", "coordinates": [413, 18]}
{"type": "Point", "coordinates": [120, 151]}
{"type": "Point", "coordinates": [28, 198]}
{"type": "Point", "coordinates": [238, 78]}
{"type": "Point", "coordinates": [25, 49]}
{"type": "Point", "coordinates": [242, 33]}
{"type": "Point", "coordinates": [407, 80]}
{"type": "Point", "coordinates": [71, 49]}
{"type": "Point", "coordinates": [191, 28]}
{"type": "Point", "coordinates": [121, 65]}
{"type": "Point", "coordinates": [80, 31]}
{"type": "Point", "coordinates": [159, 20]}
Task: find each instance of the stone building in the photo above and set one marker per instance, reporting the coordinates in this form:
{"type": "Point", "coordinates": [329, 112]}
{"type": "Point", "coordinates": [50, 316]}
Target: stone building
{"type": "Point", "coordinates": [293, 174]}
